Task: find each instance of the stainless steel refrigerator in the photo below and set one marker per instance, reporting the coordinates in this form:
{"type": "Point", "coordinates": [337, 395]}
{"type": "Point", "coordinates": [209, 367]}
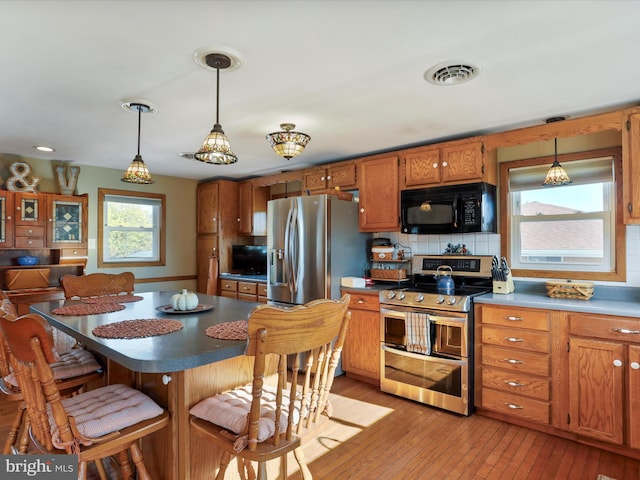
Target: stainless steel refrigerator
{"type": "Point", "coordinates": [313, 241]}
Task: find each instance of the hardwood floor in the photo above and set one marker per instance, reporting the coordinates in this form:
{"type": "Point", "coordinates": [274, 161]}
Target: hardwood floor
{"type": "Point", "coordinates": [373, 435]}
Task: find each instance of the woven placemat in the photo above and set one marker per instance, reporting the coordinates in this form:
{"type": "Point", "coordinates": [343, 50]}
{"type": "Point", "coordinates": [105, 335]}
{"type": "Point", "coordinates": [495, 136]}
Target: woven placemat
{"type": "Point", "coordinates": [229, 331]}
{"type": "Point", "coordinates": [138, 328]}
{"type": "Point", "coordinates": [113, 299]}
{"type": "Point", "coordinates": [88, 309]}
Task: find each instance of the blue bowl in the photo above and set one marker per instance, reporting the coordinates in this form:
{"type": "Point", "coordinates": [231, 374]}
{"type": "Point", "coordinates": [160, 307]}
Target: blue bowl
{"type": "Point", "coordinates": [27, 260]}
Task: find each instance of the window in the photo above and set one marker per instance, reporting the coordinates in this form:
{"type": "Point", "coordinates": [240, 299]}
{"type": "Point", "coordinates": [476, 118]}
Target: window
{"type": "Point", "coordinates": [569, 231]}
{"type": "Point", "coordinates": [130, 228]}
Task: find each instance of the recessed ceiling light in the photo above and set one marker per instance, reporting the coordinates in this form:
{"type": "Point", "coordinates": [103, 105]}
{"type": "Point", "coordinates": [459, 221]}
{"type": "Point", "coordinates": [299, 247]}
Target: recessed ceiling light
{"type": "Point", "coordinates": [44, 148]}
{"type": "Point", "coordinates": [451, 73]}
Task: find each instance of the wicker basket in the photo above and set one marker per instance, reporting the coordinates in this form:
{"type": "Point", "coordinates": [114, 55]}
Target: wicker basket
{"type": "Point", "coordinates": [396, 274]}
{"type": "Point", "coordinates": [570, 290]}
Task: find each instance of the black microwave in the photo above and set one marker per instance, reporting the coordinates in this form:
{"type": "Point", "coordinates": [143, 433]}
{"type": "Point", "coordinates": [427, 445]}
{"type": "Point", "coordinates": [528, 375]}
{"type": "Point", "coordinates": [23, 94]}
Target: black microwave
{"type": "Point", "coordinates": [465, 208]}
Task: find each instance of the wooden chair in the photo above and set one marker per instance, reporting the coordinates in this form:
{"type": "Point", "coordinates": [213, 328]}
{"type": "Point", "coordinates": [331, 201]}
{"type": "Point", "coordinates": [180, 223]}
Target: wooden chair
{"type": "Point", "coordinates": [97, 285]}
{"type": "Point", "coordinates": [312, 334]}
{"type": "Point", "coordinates": [72, 373]}
{"type": "Point", "coordinates": [92, 425]}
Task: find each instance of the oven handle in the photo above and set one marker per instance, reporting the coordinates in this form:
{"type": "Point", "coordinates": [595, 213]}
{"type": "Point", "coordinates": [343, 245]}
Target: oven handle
{"type": "Point", "coordinates": [434, 318]}
{"type": "Point", "coordinates": [427, 358]}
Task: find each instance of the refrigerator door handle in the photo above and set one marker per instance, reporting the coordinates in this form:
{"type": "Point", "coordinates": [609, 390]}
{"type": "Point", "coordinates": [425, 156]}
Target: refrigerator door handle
{"type": "Point", "coordinates": [294, 259]}
{"type": "Point", "coordinates": [287, 248]}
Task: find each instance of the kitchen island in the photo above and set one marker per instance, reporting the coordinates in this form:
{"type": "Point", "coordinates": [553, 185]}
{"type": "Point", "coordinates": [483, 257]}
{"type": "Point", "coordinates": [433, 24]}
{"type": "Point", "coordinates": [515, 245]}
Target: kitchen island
{"type": "Point", "coordinates": [177, 370]}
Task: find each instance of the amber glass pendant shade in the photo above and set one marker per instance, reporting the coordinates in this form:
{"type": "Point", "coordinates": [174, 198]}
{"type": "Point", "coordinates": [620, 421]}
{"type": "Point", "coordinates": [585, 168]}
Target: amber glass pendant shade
{"type": "Point", "coordinates": [137, 172]}
{"type": "Point", "coordinates": [556, 176]}
{"type": "Point", "coordinates": [287, 143]}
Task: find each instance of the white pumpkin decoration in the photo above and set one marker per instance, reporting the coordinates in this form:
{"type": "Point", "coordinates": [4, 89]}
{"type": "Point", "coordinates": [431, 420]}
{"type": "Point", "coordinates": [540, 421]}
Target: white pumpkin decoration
{"type": "Point", "coordinates": [184, 300]}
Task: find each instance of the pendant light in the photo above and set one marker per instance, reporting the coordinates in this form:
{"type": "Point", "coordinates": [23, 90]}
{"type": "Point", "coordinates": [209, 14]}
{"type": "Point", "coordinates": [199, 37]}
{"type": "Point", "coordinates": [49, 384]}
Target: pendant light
{"type": "Point", "coordinates": [215, 148]}
{"type": "Point", "coordinates": [287, 143]}
{"type": "Point", "coordinates": [137, 171]}
{"type": "Point", "coordinates": [556, 176]}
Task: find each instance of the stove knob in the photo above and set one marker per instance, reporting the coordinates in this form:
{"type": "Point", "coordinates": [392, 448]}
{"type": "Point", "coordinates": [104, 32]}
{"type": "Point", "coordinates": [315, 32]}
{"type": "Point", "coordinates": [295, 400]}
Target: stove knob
{"type": "Point", "coordinates": [419, 297]}
{"type": "Point", "coordinates": [391, 294]}
{"type": "Point", "coordinates": [401, 296]}
{"type": "Point", "coordinates": [452, 300]}
{"type": "Point", "coordinates": [440, 299]}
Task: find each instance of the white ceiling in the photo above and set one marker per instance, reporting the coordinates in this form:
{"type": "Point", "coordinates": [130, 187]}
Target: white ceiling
{"type": "Point", "coordinates": [348, 73]}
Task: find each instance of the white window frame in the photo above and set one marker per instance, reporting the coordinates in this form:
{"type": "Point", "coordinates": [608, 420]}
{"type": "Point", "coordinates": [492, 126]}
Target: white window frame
{"type": "Point", "coordinates": [157, 202]}
{"type": "Point", "coordinates": [613, 267]}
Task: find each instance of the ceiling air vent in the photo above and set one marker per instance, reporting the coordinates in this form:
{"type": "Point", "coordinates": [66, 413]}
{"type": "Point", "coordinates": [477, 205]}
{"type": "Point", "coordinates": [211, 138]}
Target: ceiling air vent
{"type": "Point", "coordinates": [451, 73]}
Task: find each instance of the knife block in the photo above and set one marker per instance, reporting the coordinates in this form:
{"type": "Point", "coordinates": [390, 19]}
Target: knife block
{"type": "Point", "coordinates": [504, 287]}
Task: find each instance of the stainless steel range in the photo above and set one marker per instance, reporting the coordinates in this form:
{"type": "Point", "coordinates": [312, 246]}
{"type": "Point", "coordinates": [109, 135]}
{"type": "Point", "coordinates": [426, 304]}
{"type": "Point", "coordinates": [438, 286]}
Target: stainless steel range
{"type": "Point", "coordinates": [426, 331]}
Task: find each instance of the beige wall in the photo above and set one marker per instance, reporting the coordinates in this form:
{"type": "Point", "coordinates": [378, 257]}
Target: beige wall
{"type": "Point", "coordinates": [180, 216]}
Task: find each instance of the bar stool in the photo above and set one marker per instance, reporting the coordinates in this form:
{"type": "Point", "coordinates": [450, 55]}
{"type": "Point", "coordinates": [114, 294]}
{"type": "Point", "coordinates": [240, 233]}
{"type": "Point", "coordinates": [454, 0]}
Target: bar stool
{"type": "Point", "coordinates": [259, 422]}
{"type": "Point", "coordinates": [92, 425]}
{"type": "Point", "coordinates": [97, 284]}
{"type": "Point", "coordinates": [72, 373]}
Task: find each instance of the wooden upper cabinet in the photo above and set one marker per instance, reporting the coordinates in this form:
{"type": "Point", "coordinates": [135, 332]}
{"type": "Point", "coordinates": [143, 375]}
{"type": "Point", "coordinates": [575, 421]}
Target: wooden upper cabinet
{"type": "Point", "coordinates": [208, 207]}
{"type": "Point", "coordinates": [252, 203]}
{"type": "Point", "coordinates": [457, 162]}
{"type": "Point", "coordinates": [379, 194]}
{"type": "Point", "coordinates": [631, 169]}
{"type": "Point", "coordinates": [6, 219]}
{"type": "Point", "coordinates": [314, 179]}
{"type": "Point", "coordinates": [341, 174]}
{"type": "Point", "coordinates": [66, 221]}
{"type": "Point", "coordinates": [421, 167]}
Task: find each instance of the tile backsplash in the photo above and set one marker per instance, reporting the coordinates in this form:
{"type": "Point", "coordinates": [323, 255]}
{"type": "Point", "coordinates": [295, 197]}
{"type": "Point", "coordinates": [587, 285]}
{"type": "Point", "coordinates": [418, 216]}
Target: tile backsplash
{"type": "Point", "coordinates": [489, 244]}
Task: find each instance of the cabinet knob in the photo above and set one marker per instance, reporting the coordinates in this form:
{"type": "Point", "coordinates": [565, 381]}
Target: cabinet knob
{"type": "Point", "coordinates": [511, 383]}
{"type": "Point", "coordinates": [361, 301]}
{"type": "Point", "coordinates": [513, 319]}
{"type": "Point", "coordinates": [30, 242]}
{"type": "Point", "coordinates": [635, 365]}
{"type": "Point", "coordinates": [626, 331]}
{"type": "Point", "coordinates": [435, 165]}
{"type": "Point", "coordinates": [513, 339]}
{"type": "Point", "coordinates": [238, 219]}
{"type": "Point", "coordinates": [617, 363]}
{"type": "Point", "coordinates": [444, 164]}
{"type": "Point", "coordinates": [30, 231]}
{"type": "Point", "coordinates": [513, 406]}
{"type": "Point", "coordinates": [322, 179]}
{"type": "Point", "coordinates": [362, 210]}
{"type": "Point", "coordinates": [328, 177]}
{"type": "Point", "coordinates": [8, 217]}
{"type": "Point", "coordinates": [513, 361]}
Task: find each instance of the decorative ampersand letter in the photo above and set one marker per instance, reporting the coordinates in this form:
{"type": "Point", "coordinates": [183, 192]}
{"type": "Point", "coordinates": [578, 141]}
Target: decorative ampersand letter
{"type": "Point", "coordinates": [18, 182]}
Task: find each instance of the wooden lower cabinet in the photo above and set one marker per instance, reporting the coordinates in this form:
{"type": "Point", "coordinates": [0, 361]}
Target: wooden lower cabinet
{"type": "Point", "coordinates": [243, 290]}
{"type": "Point", "coordinates": [515, 362]}
{"type": "Point", "coordinates": [576, 375]}
{"type": "Point", "coordinates": [361, 354]}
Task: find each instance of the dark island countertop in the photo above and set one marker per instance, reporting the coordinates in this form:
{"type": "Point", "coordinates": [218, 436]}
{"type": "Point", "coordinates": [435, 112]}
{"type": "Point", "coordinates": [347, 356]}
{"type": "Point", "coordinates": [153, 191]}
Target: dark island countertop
{"type": "Point", "coordinates": [606, 300]}
{"type": "Point", "coordinates": [187, 348]}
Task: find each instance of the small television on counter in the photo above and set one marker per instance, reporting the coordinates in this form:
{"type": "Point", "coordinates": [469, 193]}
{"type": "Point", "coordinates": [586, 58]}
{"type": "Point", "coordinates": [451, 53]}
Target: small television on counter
{"type": "Point", "coordinates": [249, 259]}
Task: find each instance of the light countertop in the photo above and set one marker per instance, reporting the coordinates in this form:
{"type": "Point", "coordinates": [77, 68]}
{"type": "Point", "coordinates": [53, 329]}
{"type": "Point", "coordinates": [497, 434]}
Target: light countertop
{"type": "Point", "coordinates": [606, 300]}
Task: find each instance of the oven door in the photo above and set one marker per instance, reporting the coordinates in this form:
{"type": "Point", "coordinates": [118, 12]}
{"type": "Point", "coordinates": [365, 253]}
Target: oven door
{"type": "Point", "coordinates": [440, 382]}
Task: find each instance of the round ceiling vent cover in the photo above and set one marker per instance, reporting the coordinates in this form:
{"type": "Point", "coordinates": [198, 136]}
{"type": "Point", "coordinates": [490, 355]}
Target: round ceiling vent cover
{"type": "Point", "coordinates": [451, 73]}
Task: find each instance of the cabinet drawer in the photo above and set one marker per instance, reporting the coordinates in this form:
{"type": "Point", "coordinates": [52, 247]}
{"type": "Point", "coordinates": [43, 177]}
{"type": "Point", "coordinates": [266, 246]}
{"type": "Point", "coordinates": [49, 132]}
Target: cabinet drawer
{"type": "Point", "coordinates": [29, 231]}
{"type": "Point", "coordinates": [262, 289]}
{"type": "Point", "coordinates": [364, 302]}
{"type": "Point", "coordinates": [228, 294]}
{"type": "Point", "coordinates": [248, 288]}
{"type": "Point", "coordinates": [606, 328]}
{"type": "Point", "coordinates": [516, 406]}
{"type": "Point", "coordinates": [516, 383]}
{"type": "Point", "coordinates": [229, 285]}
{"type": "Point", "coordinates": [516, 317]}
{"type": "Point", "coordinates": [517, 360]}
{"type": "Point", "coordinates": [535, 341]}
{"type": "Point", "coordinates": [29, 242]}
{"type": "Point", "coordinates": [247, 297]}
